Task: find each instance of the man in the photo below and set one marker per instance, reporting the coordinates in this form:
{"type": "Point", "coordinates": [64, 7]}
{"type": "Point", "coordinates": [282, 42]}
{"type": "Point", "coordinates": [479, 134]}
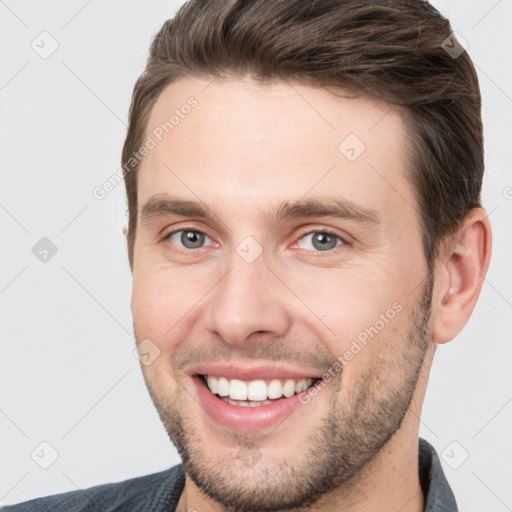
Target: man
{"type": "Point", "coordinates": [305, 227]}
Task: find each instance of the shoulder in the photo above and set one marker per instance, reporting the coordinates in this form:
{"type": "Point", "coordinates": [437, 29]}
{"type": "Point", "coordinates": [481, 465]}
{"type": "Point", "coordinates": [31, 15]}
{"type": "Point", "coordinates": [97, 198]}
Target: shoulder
{"type": "Point", "coordinates": [158, 491]}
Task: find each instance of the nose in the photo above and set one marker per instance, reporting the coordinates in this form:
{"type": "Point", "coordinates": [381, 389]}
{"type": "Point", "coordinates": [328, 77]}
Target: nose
{"type": "Point", "coordinates": [248, 304]}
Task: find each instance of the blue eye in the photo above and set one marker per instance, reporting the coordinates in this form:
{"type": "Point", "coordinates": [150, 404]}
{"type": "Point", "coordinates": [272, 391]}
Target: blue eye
{"type": "Point", "coordinates": [188, 239]}
{"type": "Point", "coordinates": [322, 240]}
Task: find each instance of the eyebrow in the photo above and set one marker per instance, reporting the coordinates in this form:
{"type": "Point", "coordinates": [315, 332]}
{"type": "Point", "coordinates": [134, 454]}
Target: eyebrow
{"type": "Point", "coordinates": [163, 205]}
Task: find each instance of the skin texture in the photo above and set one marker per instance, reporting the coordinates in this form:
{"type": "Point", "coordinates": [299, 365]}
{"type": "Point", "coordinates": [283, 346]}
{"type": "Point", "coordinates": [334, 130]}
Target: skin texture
{"type": "Point", "coordinates": [242, 151]}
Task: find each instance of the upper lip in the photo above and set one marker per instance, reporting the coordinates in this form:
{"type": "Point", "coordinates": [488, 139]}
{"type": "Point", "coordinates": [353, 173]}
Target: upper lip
{"type": "Point", "coordinates": [248, 373]}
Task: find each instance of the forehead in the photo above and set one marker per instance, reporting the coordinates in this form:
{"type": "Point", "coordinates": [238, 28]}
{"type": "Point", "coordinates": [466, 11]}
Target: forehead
{"type": "Point", "coordinates": [222, 140]}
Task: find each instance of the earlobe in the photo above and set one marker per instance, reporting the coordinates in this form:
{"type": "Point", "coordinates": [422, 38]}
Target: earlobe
{"type": "Point", "coordinates": [462, 266]}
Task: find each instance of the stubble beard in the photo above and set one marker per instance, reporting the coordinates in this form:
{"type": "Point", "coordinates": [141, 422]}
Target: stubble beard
{"type": "Point", "coordinates": [347, 438]}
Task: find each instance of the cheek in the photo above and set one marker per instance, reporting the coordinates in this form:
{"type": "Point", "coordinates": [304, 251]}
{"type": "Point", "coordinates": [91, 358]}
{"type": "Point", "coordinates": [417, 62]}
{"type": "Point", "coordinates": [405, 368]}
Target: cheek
{"type": "Point", "coordinates": [349, 299]}
{"type": "Point", "coordinates": [161, 304]}
{"type": "Point", "coordinates": [365, 309]}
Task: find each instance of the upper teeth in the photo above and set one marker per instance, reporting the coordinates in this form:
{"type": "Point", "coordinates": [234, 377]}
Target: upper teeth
{"type": "Point", "coordinates": [256, 389]}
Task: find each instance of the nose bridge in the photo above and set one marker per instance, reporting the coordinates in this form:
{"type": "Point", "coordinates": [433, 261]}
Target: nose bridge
{"type": "Point", "coordinates": [247, 300]}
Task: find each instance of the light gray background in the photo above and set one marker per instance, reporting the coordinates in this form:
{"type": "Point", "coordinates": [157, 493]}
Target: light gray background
{"type": "Point", "coordinates": [68, 376]}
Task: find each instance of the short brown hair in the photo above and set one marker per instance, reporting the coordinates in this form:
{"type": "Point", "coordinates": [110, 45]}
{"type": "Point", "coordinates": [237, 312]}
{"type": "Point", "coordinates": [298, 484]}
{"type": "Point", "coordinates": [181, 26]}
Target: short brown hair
{"type": "Point", "coordinates": [394, 50]}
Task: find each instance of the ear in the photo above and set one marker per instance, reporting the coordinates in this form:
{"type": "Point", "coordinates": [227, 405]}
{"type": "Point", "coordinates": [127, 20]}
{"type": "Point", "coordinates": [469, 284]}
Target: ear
{"type": "Point", "coordinates": [460, 271]}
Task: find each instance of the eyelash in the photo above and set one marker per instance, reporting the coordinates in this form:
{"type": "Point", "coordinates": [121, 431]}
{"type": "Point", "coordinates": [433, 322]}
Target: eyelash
{"type": "Point", "coordinates": [324, 231]}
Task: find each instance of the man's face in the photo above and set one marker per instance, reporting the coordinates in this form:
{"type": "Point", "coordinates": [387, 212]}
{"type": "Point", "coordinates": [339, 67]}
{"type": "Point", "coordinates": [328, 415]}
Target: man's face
{"type": "Point", "coordinates": [268, 292]}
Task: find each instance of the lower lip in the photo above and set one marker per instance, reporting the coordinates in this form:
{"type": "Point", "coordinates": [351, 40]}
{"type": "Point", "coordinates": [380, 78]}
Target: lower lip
{"type": "Point", "coordinates": [245, 418]}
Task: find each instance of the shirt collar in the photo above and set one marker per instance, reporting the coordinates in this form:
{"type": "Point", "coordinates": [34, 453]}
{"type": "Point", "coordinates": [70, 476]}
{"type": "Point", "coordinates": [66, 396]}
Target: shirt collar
{"type": "Point", "coordinates": [438, 494]}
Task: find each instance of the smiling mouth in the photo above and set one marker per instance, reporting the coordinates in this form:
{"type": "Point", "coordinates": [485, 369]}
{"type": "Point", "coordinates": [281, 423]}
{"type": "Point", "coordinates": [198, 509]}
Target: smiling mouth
{"type": "Point", "coordinates": [255, 393]}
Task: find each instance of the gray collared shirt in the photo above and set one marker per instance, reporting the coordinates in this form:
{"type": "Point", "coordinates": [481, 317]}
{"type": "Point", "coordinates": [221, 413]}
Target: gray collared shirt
{"type": "Point", "coordinates": [160, 492]}
{"type": "Point", "coordinates": [438, 494]}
